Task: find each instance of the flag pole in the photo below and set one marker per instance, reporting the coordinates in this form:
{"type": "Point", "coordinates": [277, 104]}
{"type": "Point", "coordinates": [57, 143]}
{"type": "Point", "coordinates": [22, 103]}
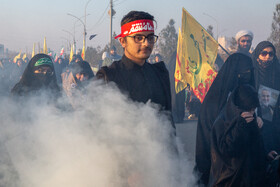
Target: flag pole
{"type": "Point", "coordinates": [224, 49]}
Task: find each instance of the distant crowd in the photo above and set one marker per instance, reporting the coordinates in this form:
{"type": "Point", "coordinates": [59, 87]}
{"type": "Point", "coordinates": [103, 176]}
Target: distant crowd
{"type": "Point", "coordinates": [238, 123]}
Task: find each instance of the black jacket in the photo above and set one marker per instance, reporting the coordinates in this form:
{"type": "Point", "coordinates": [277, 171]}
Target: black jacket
{"type": "Point", "coordinates": [136, 80]}
{"type": "Point", "coordinates": [270, 77]}
{"type": "Point", "coordinates": [141, 83]}
{"type": "Point", "coordinates": [237, 152]}
{"type": "Point", "coordinates": [178, 99]}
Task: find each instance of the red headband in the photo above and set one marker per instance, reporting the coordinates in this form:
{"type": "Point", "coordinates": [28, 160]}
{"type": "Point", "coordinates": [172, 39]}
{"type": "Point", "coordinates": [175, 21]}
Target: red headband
{"type": "Point", "coordinates": [135, 27]}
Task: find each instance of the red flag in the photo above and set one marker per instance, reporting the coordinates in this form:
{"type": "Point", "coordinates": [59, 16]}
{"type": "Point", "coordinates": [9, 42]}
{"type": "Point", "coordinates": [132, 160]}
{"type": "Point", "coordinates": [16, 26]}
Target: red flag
{"type": "Point", "coordinates": [62, 51]}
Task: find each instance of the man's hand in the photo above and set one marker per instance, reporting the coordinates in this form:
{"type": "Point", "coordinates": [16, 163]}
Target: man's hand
{"type": "Point", "coordinates": [271, 155]}
{"type": "Point", "coordinates": [260, 122]}
{"type": "Point", "coordinates": [248, 116]}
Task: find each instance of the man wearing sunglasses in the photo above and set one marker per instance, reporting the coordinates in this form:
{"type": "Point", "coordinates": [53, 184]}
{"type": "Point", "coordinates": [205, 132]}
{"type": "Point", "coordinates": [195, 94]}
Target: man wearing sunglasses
{"type": "Point", "coordinates": [244, 40]}
{"type": "Point", "coordinates": [133, 74]}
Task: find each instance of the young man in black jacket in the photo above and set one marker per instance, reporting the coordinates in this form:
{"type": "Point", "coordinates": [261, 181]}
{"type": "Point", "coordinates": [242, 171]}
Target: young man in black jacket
{"type": "Point", "coordinates": [133, 75]}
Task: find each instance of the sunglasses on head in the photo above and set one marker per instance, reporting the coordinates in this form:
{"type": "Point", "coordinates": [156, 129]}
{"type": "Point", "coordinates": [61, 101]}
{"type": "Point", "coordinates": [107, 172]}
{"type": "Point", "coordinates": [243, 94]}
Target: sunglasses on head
{"type": "Point", "coordinates": [265, 53]}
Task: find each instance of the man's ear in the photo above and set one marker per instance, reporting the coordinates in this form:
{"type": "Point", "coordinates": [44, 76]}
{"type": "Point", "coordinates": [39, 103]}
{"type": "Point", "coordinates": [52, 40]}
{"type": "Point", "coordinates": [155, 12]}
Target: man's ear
{"type": "Point", "coordinates": [122, 41]}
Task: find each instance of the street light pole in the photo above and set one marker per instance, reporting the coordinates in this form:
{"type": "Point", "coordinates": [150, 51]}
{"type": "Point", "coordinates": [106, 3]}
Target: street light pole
{"type": "Point", "coordinates": [81, 22]}
{"type": "Point", "coordinates": [111, 21]}
{"type": "Point", "coordinates": [69, 43]}
{"type": "Point", "coordinates": [73, 35]}
{"type": "Point", "coordinates": [85, 33]}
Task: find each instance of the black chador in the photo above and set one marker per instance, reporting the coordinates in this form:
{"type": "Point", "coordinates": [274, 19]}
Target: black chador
{"type": "Point", "coordinates": [238, 69]}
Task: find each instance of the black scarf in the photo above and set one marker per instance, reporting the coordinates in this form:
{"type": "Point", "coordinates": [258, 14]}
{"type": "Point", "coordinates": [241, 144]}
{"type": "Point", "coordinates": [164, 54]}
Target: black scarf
{"type": "Point", "coordinates": [30, 82]}
{"type": "Point", "coordinates": [238, 69]}
{"type": "Point", "coordinates": [270, 75]}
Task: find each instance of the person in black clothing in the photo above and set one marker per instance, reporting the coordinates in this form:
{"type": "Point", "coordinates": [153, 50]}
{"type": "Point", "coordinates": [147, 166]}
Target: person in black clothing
{"type": "Point", "coordinates": [38, 75]}
{"type": "Point", "coordinates": [82, 73]}
{"type": "Point", "coordinates": [177, 99]}
{"type": "Point", "coordinates": [76, 58]}
{"type": "Point", "coordinates": [267, 74]}
{"type": "Point", "coordinates": [238, 69]}
{"type": "Point", "coordinates": [74, 83]}
{"type": "Point", "coordinates": [237, 152]}
{"type": "Point", "coordinates": [113, 54]}
{"type": "Point", "coordinates": [132, 74]}
{"type": "Point", "coordinates": [59, 67]}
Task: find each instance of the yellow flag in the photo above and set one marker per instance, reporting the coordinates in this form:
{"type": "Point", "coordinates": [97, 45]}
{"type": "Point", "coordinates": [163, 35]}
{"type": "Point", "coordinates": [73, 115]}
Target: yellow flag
{"type": "Point", "coordinates": [196, 55]}
{"type": "Point", "coordinates": [83, 51]}
{"type": "Point", "coordinates": [33, 51]}
{"type": "Point", "coordinates": [24, 56]}
{"type": "Point", "coordinates": [71, 55]}
{"type": "Point", "coordinates": [45, 49]}
{"type": "Point", "coordinates": [17, 57]}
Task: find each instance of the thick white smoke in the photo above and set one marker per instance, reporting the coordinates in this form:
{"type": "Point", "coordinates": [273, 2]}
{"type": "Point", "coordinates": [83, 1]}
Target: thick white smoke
{"type": "Point", "coordinates": [106, 141]}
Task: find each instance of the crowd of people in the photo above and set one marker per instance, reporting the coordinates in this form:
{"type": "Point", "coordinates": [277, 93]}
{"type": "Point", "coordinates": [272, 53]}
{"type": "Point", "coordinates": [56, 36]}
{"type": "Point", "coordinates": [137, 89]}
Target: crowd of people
{"type": "Point", "coordinates": [142, 81]}
{"type": "Point", "coordinates": [238, 128]}
{"type": "Point", "coordinates": [238, 140]}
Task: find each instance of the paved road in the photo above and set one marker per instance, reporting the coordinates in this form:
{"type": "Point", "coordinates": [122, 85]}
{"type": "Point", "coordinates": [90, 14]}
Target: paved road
{"type": "Point", "coordinates": [186, 131]}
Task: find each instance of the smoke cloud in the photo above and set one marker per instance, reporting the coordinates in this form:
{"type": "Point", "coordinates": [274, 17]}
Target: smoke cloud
{"type": "Point", "coordinates": [107, 140]}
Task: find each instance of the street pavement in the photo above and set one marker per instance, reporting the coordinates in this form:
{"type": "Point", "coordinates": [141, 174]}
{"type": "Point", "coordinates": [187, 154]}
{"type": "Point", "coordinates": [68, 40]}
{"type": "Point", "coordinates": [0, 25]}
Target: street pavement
{"type": "Point", "coordinates": [186, 131]}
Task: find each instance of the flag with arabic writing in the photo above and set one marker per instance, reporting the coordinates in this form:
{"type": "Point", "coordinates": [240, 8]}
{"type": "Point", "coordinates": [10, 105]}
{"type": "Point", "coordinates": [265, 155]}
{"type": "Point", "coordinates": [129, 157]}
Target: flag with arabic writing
{"type": "Point", "coordinates": [196, 55]}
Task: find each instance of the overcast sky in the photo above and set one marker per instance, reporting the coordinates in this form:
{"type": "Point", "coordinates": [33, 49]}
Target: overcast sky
{"type": "Point", "coordinates": [24, 22]}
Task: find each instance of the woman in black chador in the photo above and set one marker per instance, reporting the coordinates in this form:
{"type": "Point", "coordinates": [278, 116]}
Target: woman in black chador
{"type": "Point", "coordinates": [238, 69]}
{"type": "Point", "coordinates": [266, 65]}
{"type": "Point", "coordinates": [237, 152]}
{"type": "Point", "coordinates": [75, 81]}
{"type": "Point", "coordinates": [267, 73]}
{"type": "Point", "coordinates": [38, 75]}
{"type": "Point", "coordinates": [82, 73]}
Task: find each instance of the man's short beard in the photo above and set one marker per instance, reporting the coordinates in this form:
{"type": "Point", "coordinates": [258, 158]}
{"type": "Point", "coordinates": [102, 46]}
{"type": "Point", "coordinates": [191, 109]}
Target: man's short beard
{"type": "Point", "coordinates": [246, 50]}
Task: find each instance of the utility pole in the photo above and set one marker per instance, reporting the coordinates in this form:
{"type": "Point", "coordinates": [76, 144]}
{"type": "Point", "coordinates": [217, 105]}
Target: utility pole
{"type": "Point", "coordinates": [111, 21]}
{"type": "Point", "coordinates": [81, 22]}
{"type": "Point", "coordinates": [73, 35]}
{"type": "Point", "coordinates": [85, 31]}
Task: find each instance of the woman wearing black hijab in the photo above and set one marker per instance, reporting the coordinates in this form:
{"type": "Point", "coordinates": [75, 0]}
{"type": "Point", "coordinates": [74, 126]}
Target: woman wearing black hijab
{"type": "Point", "coordinates": [267, 73]}
{"type": "Point", "coordinates": [75, 81]}
{"type": "Point", "coordinates": [82, 72]}
{"type": "Point", "coordinates": [266, 66]}
{"type": "Point", "coordinates": [237, 152]}
{"type": "Point", "coordinates": [238, 69]}
{"type": "Point", "coordinates": [38, 75]}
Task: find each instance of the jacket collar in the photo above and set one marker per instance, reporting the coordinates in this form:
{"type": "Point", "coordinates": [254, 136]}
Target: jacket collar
{"type": "Point", "coordinates": [129, 64]}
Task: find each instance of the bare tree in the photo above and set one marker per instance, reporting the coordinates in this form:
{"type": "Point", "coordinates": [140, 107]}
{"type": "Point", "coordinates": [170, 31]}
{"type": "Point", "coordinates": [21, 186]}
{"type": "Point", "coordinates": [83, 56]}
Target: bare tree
{"type": "Point", "coordinates": [275, 30]}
